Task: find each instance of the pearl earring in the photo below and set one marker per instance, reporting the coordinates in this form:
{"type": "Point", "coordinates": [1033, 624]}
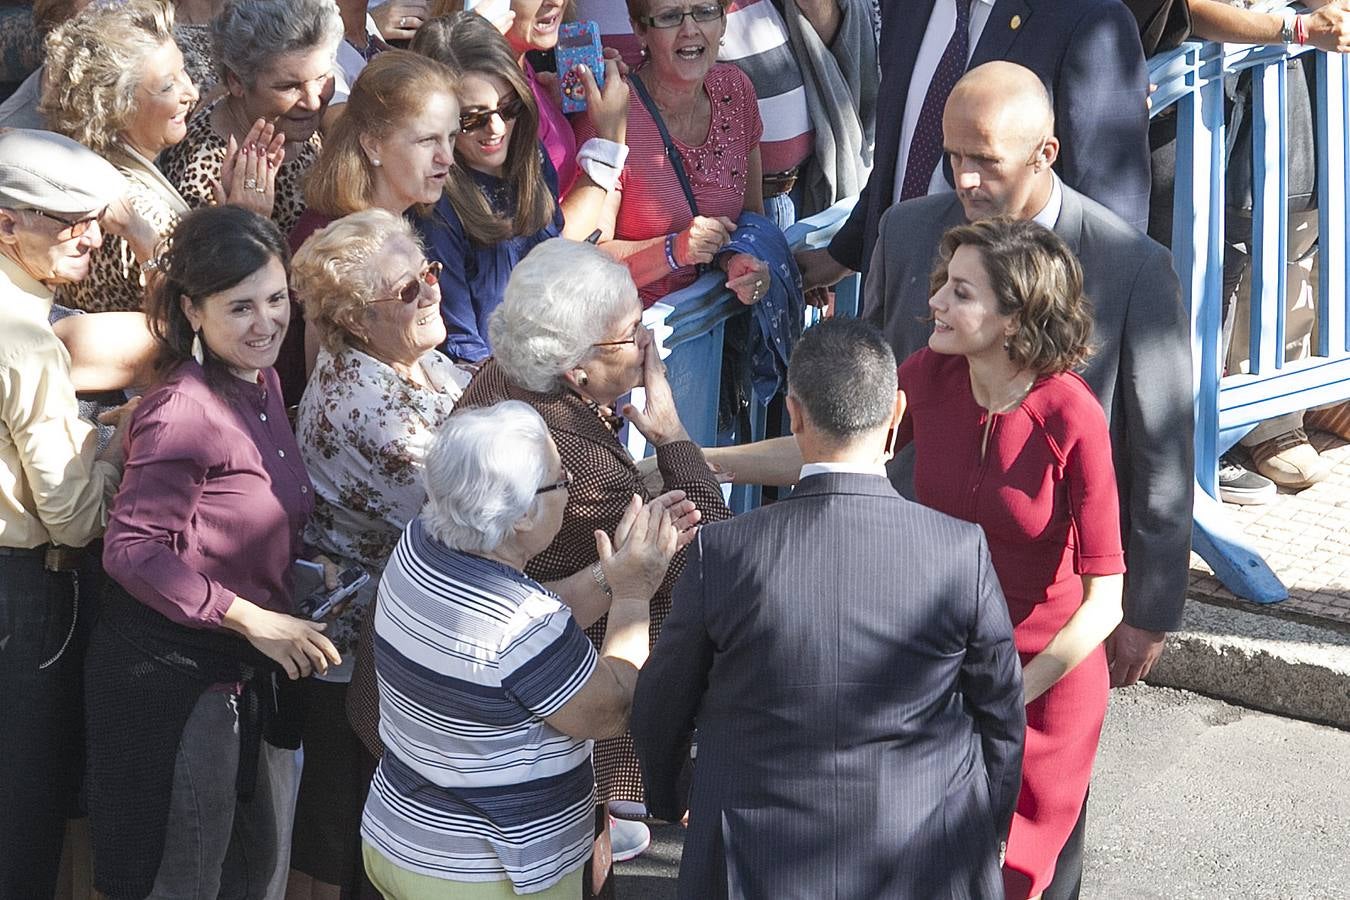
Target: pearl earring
{"type": "Point", "coordinates": [582, 379]}
{"type": "Point", "coordinates": [375, 163]}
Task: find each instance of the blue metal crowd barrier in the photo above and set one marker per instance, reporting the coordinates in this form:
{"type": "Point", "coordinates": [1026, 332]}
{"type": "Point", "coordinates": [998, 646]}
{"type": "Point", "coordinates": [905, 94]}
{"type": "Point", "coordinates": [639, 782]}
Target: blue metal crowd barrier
{"type": "Point", "coordinates": [1191, 80]}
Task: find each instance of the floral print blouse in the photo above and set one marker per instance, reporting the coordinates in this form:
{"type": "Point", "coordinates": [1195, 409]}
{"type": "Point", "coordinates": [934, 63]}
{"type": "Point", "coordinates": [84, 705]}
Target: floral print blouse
{"type": "Point", "coordinates": [364, 432]}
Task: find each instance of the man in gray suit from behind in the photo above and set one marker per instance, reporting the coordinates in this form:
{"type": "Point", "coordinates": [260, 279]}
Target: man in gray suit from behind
{"type": "Point", "coordinates": [847, 660]}
{"type": "Point", "coordinates": [998, 133]}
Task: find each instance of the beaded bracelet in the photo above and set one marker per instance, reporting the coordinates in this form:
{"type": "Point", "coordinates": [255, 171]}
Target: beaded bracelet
{"type": "Point", "coordinates": [670, 252]}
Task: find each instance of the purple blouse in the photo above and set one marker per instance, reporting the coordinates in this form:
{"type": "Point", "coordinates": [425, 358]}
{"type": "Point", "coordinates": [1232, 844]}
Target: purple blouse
{"type": "Point", "coordinates": [213, 501]}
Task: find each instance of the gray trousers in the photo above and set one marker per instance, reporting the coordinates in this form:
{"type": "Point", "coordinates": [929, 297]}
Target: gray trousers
{"type": "Point", "coordinates": [217, 846]}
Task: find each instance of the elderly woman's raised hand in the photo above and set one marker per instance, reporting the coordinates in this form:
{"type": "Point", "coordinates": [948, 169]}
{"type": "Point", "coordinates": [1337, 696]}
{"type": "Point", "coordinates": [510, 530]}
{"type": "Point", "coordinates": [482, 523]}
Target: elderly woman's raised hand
{"type": "Point", "coordinates": [248, 174]}
{"type": "Point", "coordinates": [701, 239]}
{"type": "Point", "coordinates": [399, 20]}
{"type": "Point", "coordinates": [659, 421]}
{"type": "Point", "coordinates": [747, 277]}
{"type": "Point", "coordinates": [646, 538]}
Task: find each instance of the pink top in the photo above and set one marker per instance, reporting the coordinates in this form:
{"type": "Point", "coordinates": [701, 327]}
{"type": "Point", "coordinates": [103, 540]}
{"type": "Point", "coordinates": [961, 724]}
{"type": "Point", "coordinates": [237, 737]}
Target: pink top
{"type": "Point", "coordinates": [213, 501]}
{"type": "Point", "coordinates": [653, 203]}
{"type": "Point", "coordinates": [556, 134]}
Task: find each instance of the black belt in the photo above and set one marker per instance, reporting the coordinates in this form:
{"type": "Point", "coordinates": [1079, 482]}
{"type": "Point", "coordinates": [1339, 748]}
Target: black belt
{"type": "Point", "coordinates": [776, 183]}
{"type": "Point", "coordinates": [55, 558]}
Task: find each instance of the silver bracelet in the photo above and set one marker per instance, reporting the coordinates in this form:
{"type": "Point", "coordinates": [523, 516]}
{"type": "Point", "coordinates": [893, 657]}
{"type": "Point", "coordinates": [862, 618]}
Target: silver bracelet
{"type": "Point", "coordinates": [598, 573]}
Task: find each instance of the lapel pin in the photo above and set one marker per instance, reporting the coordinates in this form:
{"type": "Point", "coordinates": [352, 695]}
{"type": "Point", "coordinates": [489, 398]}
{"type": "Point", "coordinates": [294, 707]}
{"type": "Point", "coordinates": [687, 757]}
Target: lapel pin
{"type": "Point", "coordinates": [1016, 23]}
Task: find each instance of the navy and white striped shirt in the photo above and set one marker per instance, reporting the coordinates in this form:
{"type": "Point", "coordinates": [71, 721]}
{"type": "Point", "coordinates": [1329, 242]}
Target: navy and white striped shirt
{"type": "Point", "coordinates": [471, 656]}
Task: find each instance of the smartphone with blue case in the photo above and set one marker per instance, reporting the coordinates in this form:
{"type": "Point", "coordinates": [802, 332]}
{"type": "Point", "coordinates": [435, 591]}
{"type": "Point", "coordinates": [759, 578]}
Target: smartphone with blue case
{"type": "Point", "coordinates": [578, 43]}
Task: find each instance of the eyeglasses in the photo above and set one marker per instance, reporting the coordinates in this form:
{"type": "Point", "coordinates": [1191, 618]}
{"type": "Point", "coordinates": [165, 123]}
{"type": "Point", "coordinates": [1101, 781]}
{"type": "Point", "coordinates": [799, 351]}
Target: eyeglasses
{"type": "Point", "coordinates": [508, 111]}
{"type": "Point", "coordinates": [566, 482]}
{"type": "Point", "coordinates": [631, 339]}
{"type": "Point", "coordinates": [77, 227]}
{"type": "Point", "coordinates": [410, 291]}
{"type": "Point", "coordinates": [673, 18]}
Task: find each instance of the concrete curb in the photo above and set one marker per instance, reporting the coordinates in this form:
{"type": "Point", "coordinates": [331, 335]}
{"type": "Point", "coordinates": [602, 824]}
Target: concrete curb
{"type": "Point", "coordinates": [1259, 661]}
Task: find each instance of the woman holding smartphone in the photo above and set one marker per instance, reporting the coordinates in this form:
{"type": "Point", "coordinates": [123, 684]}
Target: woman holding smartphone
{"type": "Point", "coordinates": [503, 195]}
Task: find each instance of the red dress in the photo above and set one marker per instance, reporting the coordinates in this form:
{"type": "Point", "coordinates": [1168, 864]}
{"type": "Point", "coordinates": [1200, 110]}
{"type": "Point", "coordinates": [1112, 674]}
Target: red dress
{"type": "Point", "coordinates": [1045, 494]}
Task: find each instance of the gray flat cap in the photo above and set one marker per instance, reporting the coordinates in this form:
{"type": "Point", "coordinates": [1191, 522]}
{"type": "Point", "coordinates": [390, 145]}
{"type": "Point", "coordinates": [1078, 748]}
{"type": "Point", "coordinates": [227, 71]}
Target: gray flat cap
{"type": "Point", "coordinates": [50, 172]}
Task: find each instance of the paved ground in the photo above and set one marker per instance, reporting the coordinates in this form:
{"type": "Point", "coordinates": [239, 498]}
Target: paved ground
{"type": "Point", "coordinates": [1305, 537]}
{"type": "Point", "coordinates": [1193, 799]}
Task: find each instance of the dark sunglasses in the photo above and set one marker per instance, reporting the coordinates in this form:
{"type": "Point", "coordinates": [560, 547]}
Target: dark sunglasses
{"type": "Point", "coordinates": [509, 112]}
{"type": "Point", "coordinates": [76, 227]}
{"type": "Point", "coordinates": [672, 18]}
{"type": "Point", "coordinates": [566, 482]}
{"type": "Point", "coordinates": [410, 291]}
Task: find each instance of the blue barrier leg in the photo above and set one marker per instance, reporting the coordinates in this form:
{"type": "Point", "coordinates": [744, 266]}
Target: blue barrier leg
{"type": "Point", "coordinates": [1226, 549]}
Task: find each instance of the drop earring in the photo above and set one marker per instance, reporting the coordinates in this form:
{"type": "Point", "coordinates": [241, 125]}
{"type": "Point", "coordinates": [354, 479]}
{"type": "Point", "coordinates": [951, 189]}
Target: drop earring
{"type": "Point", "coordinates": [197, 352]}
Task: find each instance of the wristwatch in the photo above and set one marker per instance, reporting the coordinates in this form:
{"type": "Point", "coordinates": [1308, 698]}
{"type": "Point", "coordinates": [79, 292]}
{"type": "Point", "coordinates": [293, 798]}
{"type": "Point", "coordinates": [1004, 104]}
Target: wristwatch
{"type": "Point", "coordinates": [1288, 20]}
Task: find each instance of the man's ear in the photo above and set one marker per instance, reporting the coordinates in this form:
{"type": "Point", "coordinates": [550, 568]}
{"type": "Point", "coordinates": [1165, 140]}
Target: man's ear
{"type": "Point", "coordinates": [888, 450]}
{"type": "Point", "coordinates": [1049, 152]}
{"type": "Point", "coordinates": [796, 413]}
{"type": "Point", "coordinates": [9, 222]}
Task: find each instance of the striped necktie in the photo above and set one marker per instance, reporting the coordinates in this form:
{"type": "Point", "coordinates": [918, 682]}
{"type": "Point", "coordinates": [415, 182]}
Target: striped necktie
{"type": "Point", "coordinates": [925, 148]}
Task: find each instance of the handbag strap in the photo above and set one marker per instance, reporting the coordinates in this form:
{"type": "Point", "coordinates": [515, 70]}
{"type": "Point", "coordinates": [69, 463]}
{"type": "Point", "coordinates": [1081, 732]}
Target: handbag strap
{"type": "Point", "coordinates": [672, 152]}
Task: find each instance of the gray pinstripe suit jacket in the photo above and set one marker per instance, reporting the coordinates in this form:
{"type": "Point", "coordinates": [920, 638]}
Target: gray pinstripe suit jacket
{"type": "Point", "coordinates": [847, 659]}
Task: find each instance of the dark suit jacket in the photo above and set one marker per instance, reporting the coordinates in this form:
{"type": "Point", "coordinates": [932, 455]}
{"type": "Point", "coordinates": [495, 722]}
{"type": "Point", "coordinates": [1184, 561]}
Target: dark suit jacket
{"type": "Point", "coordinates": [1088, 55]}
{"type": "Point", "coordinates": [847, 658]}
{"type": "Point", "coordinates": [1141, 373]}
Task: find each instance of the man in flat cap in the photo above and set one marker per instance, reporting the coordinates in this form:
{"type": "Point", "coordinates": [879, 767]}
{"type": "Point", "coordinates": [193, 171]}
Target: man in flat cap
{"type": "Point", "coordinates": [53, 490]}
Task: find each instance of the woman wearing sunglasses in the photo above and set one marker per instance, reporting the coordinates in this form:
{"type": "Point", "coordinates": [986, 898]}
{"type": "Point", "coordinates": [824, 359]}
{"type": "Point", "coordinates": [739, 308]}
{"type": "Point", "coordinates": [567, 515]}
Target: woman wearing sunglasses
{"type": "Point", "coordinates": [379, 392]}
{"type": "Point", "coordinates": [502, 198]}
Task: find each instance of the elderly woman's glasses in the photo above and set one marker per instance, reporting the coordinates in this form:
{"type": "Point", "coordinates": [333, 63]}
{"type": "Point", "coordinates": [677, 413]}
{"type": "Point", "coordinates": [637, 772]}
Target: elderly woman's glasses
{"type": "Point", "coordinates": [76, 227]}
{"type": "Point", "coordinates": [672, 18]}
{"type": "Point", "coordinates": [509, 112]}
{"type": "Point", "coordinates": [566, 482]}
{"type": "Point", "coordinates": [409, 292]}
{"type": "Point", "coordinates": [631, 339]}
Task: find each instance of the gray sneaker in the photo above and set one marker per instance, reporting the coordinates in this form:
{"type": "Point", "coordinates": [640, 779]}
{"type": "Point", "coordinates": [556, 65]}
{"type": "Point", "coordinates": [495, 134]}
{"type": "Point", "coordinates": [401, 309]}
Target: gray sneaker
{"type": "Point", "coordinates": [1242, 486]}
{"type": "Point", "coordinates": [628, 839]}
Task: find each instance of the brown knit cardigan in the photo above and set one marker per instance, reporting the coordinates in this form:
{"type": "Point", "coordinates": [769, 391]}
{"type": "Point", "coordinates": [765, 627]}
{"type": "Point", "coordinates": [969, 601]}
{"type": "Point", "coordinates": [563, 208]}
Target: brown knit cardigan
{"type": "Point", "coordinates": [606, 479]}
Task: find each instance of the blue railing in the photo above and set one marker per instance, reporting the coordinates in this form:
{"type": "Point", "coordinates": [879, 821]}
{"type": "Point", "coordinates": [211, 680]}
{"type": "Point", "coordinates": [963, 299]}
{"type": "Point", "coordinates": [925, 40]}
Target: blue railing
{"type": "Point", "coordinates": [1191, 80]}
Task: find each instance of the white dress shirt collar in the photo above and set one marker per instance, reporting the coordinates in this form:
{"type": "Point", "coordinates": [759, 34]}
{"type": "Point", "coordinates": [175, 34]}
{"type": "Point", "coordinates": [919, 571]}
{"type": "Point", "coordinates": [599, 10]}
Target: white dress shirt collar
{"type": "Point", "coordinates": [825, 468]}
{"type": "Point", "coordinates": [1049, 214]}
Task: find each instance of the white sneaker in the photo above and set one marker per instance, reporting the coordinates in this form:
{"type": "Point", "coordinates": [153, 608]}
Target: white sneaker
{"type": "Point", "coordinates": [627, 839]}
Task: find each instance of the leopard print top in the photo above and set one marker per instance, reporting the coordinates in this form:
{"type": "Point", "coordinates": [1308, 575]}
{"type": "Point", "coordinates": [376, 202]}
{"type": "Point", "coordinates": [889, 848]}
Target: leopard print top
{"type": "Point", "coordinates": [191, 164]}
{"type": "Point", "coordinates": [114, 282]}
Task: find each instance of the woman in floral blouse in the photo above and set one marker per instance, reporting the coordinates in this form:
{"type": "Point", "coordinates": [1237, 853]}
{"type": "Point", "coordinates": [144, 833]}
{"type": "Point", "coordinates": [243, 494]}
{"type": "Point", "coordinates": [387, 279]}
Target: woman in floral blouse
{"type": "Point", "coordinates": [377, 395]}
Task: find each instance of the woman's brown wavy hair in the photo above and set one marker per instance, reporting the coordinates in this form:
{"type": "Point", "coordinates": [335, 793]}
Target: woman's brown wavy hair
{"type": "Point", "coordinates": [1038, 281]}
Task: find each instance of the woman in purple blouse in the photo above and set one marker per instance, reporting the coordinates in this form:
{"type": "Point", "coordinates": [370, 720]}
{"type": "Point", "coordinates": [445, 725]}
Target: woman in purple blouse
{"type": "Point", "coordinates": [181, 682]}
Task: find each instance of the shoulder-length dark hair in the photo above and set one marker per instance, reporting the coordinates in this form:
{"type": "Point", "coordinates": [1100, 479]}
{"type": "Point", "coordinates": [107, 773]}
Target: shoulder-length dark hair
{"type": "Point", "coordinates": [471, 45]}
{"type": "Point", "coordinates": [1038, 281]}
{"type": "Point", "coordinates": [212, 250]}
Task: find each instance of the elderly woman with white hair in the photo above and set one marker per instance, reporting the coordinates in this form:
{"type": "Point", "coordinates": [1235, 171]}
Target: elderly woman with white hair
{"type": "Point", "coordinates": [490, 693]}
{"type": "Point", "coordinates": [115, 80]}
{"type": "Point", "coordinates": [276, 60]}
{"type": "Point", "coordinates": [569, 341]}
